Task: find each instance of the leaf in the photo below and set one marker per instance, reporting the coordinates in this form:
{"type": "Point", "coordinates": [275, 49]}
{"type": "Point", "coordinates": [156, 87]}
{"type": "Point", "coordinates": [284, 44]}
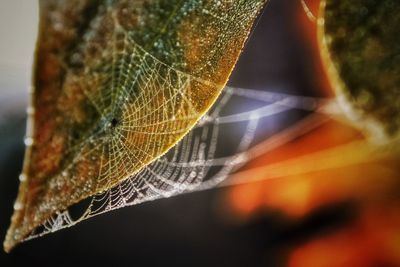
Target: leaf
{"type": "Point", "coordinates": [360, 45]}
{"type": "Point", "coordinates": [117, 84]}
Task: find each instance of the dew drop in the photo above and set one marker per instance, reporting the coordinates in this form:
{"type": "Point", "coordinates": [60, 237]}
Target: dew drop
{"type": "Point", "coordinates": [22, 177]}
{"type": "Point", "coordinates": [28, 141]}
{"type": "Point", "coordinates": [17, 205]}
{"type": "Point", "coordinates": [30, 110]}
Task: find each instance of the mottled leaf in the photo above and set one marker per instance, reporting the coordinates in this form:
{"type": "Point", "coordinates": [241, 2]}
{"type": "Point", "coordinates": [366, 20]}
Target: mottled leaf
{"type": "Point", "coordinates": [117, 83]}
{"type": "Point", "coordinates": [360, 42]}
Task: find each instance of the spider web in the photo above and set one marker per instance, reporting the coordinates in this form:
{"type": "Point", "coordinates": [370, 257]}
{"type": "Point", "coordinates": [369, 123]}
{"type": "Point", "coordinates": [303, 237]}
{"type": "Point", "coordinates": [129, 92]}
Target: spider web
{"type": "Point", "coordinates": [151, 103]}
{"type": "Point", "coordinates": [201, 159]}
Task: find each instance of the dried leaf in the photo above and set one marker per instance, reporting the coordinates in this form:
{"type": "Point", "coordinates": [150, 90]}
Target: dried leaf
{"type": "Point", "coordinates": [117, 84]}
{"type": "Point", "coordinates": [360, 44]}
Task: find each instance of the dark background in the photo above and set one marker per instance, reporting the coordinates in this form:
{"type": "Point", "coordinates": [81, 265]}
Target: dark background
{"type": "Point", "coordinates": [191, 229]}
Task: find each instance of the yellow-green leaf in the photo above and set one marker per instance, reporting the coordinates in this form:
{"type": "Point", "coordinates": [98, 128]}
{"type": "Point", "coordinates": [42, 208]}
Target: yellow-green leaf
{"type": "Point", "coordinates": [117, 83]}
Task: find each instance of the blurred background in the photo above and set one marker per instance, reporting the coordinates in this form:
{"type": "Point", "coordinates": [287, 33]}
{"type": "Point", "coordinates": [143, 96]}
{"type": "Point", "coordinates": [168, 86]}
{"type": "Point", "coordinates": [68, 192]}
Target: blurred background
{"type": "Point", "coordinates": [343, 216]}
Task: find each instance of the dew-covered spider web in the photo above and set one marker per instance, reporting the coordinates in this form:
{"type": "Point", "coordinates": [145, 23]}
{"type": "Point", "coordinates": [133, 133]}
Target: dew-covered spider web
{"type": "Point", "coordinates": [242, 125]}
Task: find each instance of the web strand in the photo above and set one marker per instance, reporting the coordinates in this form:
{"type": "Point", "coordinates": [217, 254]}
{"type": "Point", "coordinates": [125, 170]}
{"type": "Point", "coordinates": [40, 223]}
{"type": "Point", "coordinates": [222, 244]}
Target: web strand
{"type": "Point", "coordinates": [308, 12]}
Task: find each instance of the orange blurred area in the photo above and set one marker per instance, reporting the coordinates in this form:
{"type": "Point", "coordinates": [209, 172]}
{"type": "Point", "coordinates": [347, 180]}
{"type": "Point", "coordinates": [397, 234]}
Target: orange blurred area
{"type": "Point", "coordinates": [372, 241]}
{"type": "Point", "coordinates": [329, 165]}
